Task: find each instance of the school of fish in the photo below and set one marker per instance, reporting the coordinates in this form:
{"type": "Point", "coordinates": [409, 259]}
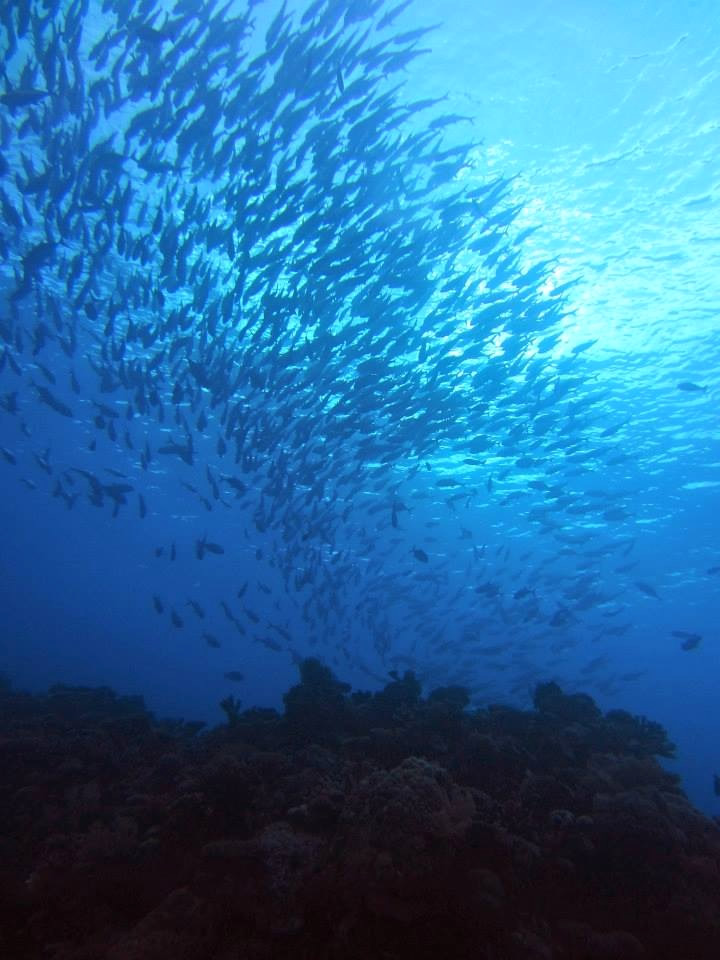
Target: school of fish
{"type": "Point", "coordinates": [244, 264]}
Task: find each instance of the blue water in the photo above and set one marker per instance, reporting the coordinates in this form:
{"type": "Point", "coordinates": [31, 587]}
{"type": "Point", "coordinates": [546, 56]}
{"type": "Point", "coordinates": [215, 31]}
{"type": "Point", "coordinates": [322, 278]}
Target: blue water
{"type": "Point", "coordinates": [559, 523]}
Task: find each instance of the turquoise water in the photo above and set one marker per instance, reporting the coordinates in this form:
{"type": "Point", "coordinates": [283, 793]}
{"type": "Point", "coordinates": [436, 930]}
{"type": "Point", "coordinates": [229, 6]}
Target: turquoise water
{"type": "Point", "coordinates": [444, 394]}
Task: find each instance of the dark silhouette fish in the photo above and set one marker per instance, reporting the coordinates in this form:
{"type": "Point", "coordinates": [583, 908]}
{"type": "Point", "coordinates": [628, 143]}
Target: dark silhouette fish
{"type": "Point", "coordinates": [691, 643]}
{"type": "Point", "coordinates": [36, 257]}
{"type": "Point", "coordinates": [228, 612]}
{"type": "Point", "coordinates": [615, 514]}
{"type": "Point", "coordinates": [59, 406]}
{"type": "Point", "coordinates": [562, 617]}
{"type": "Point", "coordinates": [183, 450]}
{"type": "Point", "coordinates": [43, 461]}
{"type": "Point", "coordinates": [270, 643]}
{"type": "Point", "coordinates": [420, 554]}
{"type": "Point", "coordinates": [488, 589]}
{"type": "Point", "coordinates": [690, 387]}
{"type": "Point", "coordinates": [8, 402]}
{"type": "Point", "coordinates": [200, 612]}
{"type": "Point", "coordinates": [522, 593]}
{"type": "Point", "coordinates": [204, 546]}
{"type": "Point", "coordinates": [689, 640]}
{"type": "Point", "coordinates": [647, 589]}
{"type": "Point", "coordinates": [117, 491]}
{"type": "Point", "coordinates": [22, 97]}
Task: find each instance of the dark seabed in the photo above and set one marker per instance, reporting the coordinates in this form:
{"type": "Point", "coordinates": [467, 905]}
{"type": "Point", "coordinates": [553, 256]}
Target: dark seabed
{"type": "Point", "coordinates": [385, 335]}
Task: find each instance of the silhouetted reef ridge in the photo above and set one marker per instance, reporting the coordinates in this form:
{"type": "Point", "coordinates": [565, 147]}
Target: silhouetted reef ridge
{"type": "Point", "coordinates": [353, 825]}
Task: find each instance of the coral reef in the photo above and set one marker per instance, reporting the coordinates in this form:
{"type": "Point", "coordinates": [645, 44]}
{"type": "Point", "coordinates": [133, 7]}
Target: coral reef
{"type": "Point", "coordinates": [352, 825]}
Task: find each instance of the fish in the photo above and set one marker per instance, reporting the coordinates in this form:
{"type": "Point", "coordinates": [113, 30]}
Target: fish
{"type": "Point", "coordinates": [234, 675]}
{"type": "Point", "coordinates": [213, 483]}
{"type": "Point", "coordinates": [8, 402]}
{"type": "Point", "coordinates": [691, 643]}
{"type": "Point", "coordinates": [48, 398]}
{"type": "Point", "coordinates": [19, 97]}
{"type": "Point", "coordinates": [199, 611]}
{"type": "Point", "coordinates": [68, 498]}
{"type": "Point", "coordinates": [632, 675]}
{"type": "Point", "coordinates": [185, 451]}
{"type": "Point", "coordinates": [562, 617]}
{"type": "Point", "coordinates": [250, 300]}
{"type": "Point", "coordinates": [237, 485]}
{"type": "Point", "coordinates": [43, 461]}
{"type": "Point", "coordinates": [689, 640]}
{"type": "Point", "coordinates": [523, 592]}
{"type": "Point", "coordinates": [647, 589]}
{"type": "Point", "coordinates": [46, 372]}
{"type": "Point", "coordinates": [228, 612]}
{"type": "Point", "coordinates": [204, 546]}
{"type": "Point", "coordinates": [270, 643]}
{"type": "Point", "coordinates": [689, 387]}
{"type": "Point", "coordinates": [284, 633]}
{"type": "Point", "coordinates": [615, 514]}
{"type": "Point", "coordinates": [488, 589]}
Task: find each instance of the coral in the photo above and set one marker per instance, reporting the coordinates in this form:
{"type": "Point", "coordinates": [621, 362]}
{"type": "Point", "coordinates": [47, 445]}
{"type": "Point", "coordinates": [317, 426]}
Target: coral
{"type": "Point", "coordinates": [397, 701]}
{"type": "Point", "coordinates": [637, 735]}
{"type": "Point", "coordinates": [448, 701]}
{"type": "Point", "coordinates": [230, 706]}
{"type": "Point", "coordinates": [404, 808]}
{"type": "Point", "coordinates": [354, 825]}
{"type": "Point", "coordinates": [315, 707]}
{"type": "Point", "coordinates": [549, 699]}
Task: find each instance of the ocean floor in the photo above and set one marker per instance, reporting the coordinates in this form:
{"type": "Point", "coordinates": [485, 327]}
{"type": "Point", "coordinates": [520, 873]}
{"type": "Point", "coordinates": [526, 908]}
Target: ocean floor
{"type": "Point", "coordinates": [352, 825]}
